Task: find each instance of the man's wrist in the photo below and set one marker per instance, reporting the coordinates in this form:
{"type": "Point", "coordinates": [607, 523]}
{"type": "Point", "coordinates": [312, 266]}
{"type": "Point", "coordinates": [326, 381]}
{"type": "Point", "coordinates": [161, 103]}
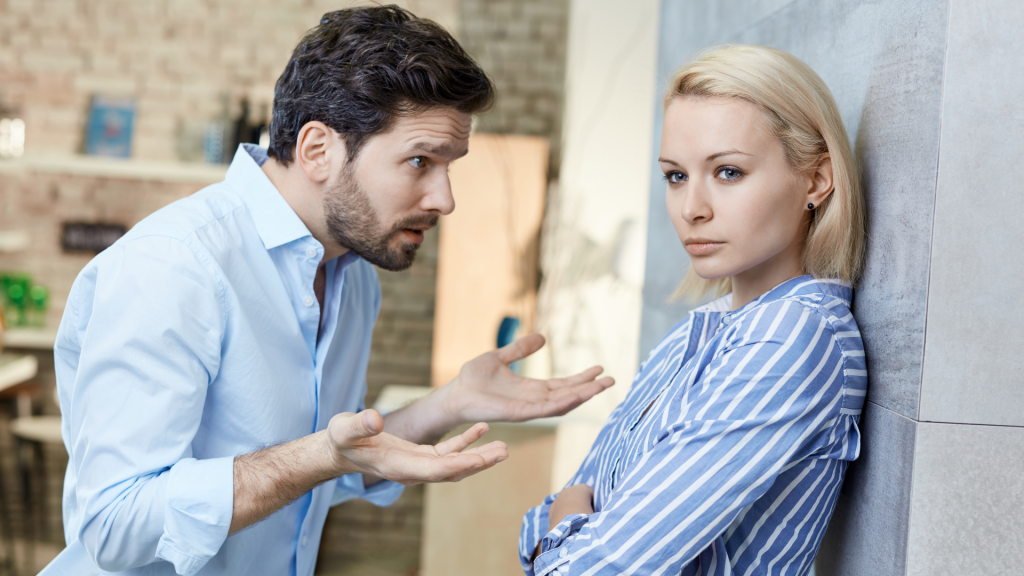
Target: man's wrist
{"type": "Point", "coordinates": [426, 420]}
{"type": "Point", "coordinates": [335, 464]}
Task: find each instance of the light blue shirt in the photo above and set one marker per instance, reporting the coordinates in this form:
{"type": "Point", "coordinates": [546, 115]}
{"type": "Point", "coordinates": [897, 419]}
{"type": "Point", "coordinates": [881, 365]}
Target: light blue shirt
{"type": "Point", "coordinates": [190, 341]}
{"type": "Point", "coordinates": [727, 455]}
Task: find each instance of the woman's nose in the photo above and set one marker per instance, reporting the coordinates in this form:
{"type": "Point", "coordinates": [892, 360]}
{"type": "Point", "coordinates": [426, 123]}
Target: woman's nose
{"type": "Point", "coordinates": [695, 207]}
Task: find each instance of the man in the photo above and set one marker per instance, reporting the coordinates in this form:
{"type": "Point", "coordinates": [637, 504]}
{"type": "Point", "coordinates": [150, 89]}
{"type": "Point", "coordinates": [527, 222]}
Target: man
{"type": "Point", "coordinates": [209, 364]}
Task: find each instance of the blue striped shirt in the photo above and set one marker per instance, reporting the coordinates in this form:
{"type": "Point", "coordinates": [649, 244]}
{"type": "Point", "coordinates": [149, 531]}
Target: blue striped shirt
{"type": "Point", "coordinates": [727, 455]}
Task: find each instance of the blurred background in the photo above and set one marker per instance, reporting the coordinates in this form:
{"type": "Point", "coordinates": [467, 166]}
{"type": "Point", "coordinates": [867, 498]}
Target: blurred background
{"type": "Point", "coordinates": [112, 109]}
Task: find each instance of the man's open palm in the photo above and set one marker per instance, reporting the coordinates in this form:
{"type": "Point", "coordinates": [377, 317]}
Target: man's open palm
{"type": "Point", "coordinates": [488, 390]}
{"type": "Point", "coordinates": [357, 439]}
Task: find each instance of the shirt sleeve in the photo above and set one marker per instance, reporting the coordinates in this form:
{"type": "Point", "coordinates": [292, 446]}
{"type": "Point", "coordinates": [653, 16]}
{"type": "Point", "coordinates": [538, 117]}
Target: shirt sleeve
{"type": "Point", "coordinates": [350, 487]}
{"type": "Point", "coordinates": [147, 319]}
{"type": "Point", "coordinates": [534, 528]}
{"type": "Point", "coordinates": [770, 398]}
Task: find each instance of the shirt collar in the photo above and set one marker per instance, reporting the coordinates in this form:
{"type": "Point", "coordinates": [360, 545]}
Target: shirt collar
{"type": "Point", "coordinates": [276, 222]}
{"type": "Point", "coordinates": [799, 286]}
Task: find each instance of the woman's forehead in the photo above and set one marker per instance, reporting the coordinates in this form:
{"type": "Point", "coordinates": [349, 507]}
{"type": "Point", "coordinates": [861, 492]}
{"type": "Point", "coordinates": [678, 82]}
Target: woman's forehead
{"type": "Point", "coordinates": [706, 126]}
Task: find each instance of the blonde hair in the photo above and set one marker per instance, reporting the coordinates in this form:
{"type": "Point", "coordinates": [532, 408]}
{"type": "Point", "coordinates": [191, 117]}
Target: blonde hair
{"type": "Point", "coordinates": [804, 117]}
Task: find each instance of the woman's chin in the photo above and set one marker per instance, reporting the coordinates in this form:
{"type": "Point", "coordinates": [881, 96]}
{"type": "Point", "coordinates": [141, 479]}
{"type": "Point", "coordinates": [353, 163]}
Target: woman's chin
{"type": "Point", "coordinates": [707, 273]}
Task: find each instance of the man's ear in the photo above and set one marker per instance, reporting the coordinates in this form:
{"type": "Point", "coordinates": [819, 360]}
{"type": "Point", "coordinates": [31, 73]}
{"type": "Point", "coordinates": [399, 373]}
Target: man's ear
{"type": "Point", "coordinates": [822, 182]}
{"type": "Point", "coordinates": [316, 148]}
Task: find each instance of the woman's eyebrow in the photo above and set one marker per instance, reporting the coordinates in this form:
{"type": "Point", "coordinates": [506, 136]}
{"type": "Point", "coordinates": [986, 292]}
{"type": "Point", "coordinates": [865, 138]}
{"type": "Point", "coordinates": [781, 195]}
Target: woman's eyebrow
{"type": "Point", "coordinates": [667, 161]}
{"type": "Point", "coordinates": [726, 153]}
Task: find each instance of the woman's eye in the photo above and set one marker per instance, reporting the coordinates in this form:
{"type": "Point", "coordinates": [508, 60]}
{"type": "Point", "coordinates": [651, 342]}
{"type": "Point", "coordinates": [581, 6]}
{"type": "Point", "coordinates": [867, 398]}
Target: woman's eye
{"type": "Point", "coordinates": [417, 161]}
{"type": "Point", "coordinates": [730, 173]}
{"type": "Point", "coordinates": [675, 177]}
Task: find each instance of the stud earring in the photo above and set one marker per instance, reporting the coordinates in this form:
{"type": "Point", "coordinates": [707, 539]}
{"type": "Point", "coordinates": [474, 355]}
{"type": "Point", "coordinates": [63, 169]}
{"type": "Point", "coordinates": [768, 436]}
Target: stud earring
{"type": "Point", "coordinates": [810, 206]}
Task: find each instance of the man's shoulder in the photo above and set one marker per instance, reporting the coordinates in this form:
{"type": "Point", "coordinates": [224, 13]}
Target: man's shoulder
{"type": "Point", "coordinates": [214, 205]}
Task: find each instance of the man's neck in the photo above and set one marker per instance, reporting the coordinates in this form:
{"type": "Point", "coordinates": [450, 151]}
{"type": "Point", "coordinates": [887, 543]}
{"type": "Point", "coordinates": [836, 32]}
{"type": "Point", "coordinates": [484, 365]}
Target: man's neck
{"type": "Point", "coordinates": [306, 199]}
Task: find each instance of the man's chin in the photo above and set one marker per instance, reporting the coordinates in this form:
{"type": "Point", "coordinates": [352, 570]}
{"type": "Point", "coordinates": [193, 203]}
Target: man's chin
{"type": "Point", "coordinates": [394, 260]}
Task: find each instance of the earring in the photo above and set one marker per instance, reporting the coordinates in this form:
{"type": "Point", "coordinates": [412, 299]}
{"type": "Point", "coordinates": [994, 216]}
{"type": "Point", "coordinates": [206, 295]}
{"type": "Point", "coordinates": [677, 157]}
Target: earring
{"type": "Point", "coordinates": [810, 206]}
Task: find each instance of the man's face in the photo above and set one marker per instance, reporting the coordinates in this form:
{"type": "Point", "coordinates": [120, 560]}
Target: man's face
{"type": "Point", "coordinates": [397, 188]}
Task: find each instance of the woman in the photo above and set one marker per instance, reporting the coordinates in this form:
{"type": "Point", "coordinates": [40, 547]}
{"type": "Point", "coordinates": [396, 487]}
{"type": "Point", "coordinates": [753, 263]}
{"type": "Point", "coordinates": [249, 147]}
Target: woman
{"type": "Point", "coordinates": [728, 453]}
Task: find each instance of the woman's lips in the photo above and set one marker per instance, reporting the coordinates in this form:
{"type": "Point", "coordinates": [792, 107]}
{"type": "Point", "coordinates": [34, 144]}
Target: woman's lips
{"type": "Point", "coordinates": [703, 248]}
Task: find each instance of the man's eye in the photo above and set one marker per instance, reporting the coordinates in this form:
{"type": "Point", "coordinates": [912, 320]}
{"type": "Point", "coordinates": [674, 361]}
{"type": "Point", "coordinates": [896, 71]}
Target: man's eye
{"type": "Point", "coordinates": [417, 161]}
{"type": "Point", "coordinates": [730, 173]}
{"type": "Point", "coordinates": [676, 177]}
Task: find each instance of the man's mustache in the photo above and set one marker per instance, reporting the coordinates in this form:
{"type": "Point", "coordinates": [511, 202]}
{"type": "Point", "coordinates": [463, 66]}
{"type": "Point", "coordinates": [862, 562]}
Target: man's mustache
{"type": "Point", "coordinates": [421, 221]}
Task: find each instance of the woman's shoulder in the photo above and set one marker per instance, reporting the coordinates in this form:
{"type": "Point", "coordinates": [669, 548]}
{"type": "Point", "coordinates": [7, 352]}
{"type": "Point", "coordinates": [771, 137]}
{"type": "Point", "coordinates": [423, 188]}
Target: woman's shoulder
{"type": "Point", "coordinates": [815, 310]}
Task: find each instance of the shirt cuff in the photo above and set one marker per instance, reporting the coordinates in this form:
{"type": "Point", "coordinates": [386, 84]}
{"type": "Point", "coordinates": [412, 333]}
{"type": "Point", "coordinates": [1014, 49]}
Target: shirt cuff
{"type": "Point", "coordinates": [531, 533]}
{"type": "Point", "coordinates": [350, 487]}
{"type": "Point", "coordinates": [199, 500]}
{"type": "Point", "coordinates": [552, 552]}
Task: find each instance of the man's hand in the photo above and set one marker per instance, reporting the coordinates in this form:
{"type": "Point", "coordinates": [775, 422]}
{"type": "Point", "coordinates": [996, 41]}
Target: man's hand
{"type": "Point", "coordinates": [358, 445]}
{"type": "Point", "coordinates": [487, 389]}
{"type": "Point", "coordinates": [267, 480]}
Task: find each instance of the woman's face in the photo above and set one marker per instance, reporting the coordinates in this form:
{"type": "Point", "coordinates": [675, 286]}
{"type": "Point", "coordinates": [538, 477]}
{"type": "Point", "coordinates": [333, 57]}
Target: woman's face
{"type": "Point", "coordinates": [738, 207]}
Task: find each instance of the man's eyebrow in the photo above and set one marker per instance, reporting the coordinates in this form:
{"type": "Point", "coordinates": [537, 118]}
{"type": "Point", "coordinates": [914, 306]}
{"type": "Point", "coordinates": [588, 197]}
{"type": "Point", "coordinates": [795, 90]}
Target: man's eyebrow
{"type": "Point", "coordinates": [726, 153]}
{"type": "Point", "coordinates": [438, 150]}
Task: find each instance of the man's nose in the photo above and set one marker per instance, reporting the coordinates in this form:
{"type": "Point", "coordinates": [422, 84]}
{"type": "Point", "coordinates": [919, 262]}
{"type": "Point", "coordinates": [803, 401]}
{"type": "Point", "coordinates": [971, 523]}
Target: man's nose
{"type": "Point", "coordinates": [438, 197]}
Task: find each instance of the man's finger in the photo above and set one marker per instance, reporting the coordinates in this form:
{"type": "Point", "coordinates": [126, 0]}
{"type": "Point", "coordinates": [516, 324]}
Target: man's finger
{"type": "Point", "coordinates": [563, 400]}
{"type": "Point", "coordinates": [586, 390]}
{"type": "Point", "coordinates": [587, 375]}
{"type": "Point", "coordinates": [347, 427]}
{"type": "Point", "coordinates": [493, 454]}
{"type": "Point", "coordinates": [462, 441]}
{"type": "Point", "coordinates": [521, 348]}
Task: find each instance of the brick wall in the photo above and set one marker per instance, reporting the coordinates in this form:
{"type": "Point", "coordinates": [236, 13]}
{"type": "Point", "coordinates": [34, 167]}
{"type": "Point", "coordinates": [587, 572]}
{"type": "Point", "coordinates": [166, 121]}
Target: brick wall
{"type": "Point", "coordinates": [521, 44]}
{"type": "Point", "coordinates": [175, 57]}
{"type": "Point", "coordinates": [179, 59]}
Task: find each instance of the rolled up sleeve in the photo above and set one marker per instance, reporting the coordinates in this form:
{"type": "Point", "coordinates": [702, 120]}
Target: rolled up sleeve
{"type": "Point", "coordinates": [200, 499]}
{"type": "Point", "coordinates": [149, 332]}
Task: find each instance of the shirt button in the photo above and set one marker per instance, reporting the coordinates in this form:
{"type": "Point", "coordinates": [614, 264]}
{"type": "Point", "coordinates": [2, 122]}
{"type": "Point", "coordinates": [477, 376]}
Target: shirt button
{"type": "Point", "coordinates": [727, 320]}
{"type": "Point", "coordinates": [305, 540]}
{"type": "Point", "coordinates": [308, 300]}
{"type": "Point", "coordinates": [310, 252]}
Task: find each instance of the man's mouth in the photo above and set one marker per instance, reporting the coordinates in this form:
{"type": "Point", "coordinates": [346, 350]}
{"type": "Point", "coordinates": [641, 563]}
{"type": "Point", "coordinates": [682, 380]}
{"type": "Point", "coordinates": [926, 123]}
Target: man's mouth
{"type": "Point", "coordinates": [413, 235]}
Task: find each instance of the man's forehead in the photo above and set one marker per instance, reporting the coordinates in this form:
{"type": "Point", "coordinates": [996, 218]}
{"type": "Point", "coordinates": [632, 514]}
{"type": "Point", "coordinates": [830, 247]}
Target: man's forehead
{"type": "Point", "coordinates": [434, 124]}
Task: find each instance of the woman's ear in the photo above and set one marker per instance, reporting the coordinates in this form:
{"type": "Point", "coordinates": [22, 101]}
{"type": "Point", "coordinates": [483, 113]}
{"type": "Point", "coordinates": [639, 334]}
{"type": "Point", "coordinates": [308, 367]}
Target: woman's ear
{"type": "Point", "coordinates": [821, 181]}
{"type": "Point", "coordinates": [315, 149]}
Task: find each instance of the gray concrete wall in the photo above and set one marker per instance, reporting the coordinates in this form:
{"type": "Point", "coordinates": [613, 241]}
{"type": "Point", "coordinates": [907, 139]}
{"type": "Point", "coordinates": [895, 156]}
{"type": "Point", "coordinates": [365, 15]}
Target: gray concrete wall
{"type": "Point", "coordinates": [928, 95]}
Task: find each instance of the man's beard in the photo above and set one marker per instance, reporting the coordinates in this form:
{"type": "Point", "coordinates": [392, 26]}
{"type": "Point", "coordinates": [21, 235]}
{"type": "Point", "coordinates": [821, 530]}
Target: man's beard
{"type": "Point", "coordinates": [353, 223]}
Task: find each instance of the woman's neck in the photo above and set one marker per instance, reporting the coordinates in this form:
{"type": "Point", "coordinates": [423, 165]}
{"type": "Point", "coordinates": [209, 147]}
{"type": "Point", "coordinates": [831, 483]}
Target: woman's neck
{"type": "Point", "coordinates": [748, 285]}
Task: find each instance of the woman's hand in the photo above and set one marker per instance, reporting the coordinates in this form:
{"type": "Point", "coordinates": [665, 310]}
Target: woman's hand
{"type": "Point", "coordinates": [576, 499]}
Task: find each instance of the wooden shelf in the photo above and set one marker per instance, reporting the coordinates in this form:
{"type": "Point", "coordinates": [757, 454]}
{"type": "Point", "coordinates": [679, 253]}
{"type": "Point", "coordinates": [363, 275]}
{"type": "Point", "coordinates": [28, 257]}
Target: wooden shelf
{"type": "Point", "coordinates": [15, 369]}
{"type": "Point", "coordinates": [30, 338]}
{"type": "Point", "coordinates": [128, 169]}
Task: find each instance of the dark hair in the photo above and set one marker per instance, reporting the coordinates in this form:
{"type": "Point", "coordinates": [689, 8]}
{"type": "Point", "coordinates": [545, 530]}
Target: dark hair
{"type": "Point", "coordinates": [362, 67]}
